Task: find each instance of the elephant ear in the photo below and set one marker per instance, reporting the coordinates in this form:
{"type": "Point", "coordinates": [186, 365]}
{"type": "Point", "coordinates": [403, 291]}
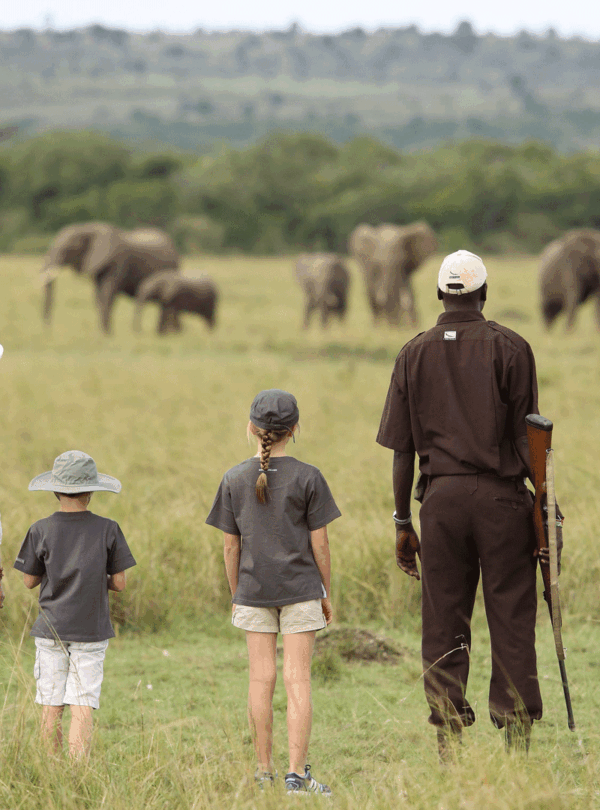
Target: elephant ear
{"type": "Point", "coordinates": [363, 242]}
{"type": "Point", "coordinates": [105, 245]}
{"type": "Point", "coordinates": [419, 243]}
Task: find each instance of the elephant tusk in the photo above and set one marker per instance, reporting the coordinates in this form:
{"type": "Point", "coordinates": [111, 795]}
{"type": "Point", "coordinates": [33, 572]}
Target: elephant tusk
{"type": "Point", "coordinates": [48, 276]}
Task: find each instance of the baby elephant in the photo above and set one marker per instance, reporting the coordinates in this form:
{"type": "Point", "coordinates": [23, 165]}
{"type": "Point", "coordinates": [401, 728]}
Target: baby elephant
{"type": "Point", "coordinates": [176, 293]}
{"type": "Point", "coordinates": [325, 281]}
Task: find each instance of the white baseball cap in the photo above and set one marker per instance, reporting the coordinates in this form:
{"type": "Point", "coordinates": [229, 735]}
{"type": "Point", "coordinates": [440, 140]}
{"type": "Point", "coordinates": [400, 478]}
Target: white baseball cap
{"type": "Point", "coordinates": [461, 272]}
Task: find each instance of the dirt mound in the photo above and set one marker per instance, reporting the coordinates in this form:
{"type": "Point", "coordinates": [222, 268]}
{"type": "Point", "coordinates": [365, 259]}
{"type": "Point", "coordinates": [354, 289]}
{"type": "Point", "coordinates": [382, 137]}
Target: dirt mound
{"type": "Point", "coordinates": [354, 644]}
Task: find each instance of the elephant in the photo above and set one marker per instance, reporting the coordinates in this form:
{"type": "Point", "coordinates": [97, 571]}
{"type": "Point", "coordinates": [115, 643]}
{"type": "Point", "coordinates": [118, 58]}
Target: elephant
{"type": "Point", "coordinates": [325, 282]}
{"type": "Point", "coordinates": [176, 293]}
{"type": "Point", "coordinates": [388, 255]}
{"type": "Point", "coordinates": [116, 260]}
{"type": "Point", "coordinates": [569, 274]}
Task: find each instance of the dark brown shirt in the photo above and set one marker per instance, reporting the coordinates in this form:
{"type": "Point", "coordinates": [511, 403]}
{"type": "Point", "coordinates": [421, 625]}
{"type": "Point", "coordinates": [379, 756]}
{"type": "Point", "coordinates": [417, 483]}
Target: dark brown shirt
{"type": "Point", "coordinates": [459, 395]}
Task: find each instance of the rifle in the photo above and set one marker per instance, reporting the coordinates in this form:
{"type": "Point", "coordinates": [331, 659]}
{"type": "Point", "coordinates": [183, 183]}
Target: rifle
{"type": "Point", "coordinates": [539, 439]}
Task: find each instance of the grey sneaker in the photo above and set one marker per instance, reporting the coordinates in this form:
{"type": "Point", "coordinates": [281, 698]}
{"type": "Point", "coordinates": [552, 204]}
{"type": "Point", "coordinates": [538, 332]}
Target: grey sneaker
{"type": "Point", "coordinates": [264, 779]}
{"type": "Point", "coordinates": [294, 783]}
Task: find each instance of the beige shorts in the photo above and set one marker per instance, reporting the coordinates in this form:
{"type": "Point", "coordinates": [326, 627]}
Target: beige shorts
{"type": "Point", "coordinates": [68, 672]}
{"type": "Point", "coordinates": [300, 617]}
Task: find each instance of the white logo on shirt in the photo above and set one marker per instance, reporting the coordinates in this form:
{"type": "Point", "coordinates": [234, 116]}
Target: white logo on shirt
{"type": "Point", "coordinates": [449, 335]}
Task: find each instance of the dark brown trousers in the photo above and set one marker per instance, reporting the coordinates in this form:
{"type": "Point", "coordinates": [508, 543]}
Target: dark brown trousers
{"type": "Point", "coordinates": [472, 524]}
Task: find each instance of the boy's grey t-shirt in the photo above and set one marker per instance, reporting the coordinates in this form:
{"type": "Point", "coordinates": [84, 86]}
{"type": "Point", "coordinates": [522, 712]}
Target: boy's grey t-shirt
{"type": "Point", "coordinates": [73, 552]}
{"type": "Point", "coordinates": [277, 566]}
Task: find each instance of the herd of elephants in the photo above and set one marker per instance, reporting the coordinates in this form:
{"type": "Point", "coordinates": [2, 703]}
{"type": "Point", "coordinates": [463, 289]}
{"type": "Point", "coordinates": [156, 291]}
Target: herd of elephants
{"type": "Point", "coordinates": [144, 264]}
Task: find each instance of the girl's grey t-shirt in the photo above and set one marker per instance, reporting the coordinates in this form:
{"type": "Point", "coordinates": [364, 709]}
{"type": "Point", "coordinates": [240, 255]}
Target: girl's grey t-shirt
{"type": "Point", "coordinates": [73, 552]}
{"type": "Point", "coordinates": [277, 566]}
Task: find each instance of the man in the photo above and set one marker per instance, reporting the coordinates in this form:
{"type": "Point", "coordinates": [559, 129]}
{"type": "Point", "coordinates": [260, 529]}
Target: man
{"type": "Point", "coordinates": [459, 395]}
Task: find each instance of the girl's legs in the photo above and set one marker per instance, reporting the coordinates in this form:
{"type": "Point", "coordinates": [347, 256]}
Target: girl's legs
{"type": "Point", "coordinates": [51, 732]}
{"type": "Point", "coordinates": [262, 649]}
{"type": "Point", "coordinates": [80, 732]}
{"type": "Point", "coordinates": [297, 655]}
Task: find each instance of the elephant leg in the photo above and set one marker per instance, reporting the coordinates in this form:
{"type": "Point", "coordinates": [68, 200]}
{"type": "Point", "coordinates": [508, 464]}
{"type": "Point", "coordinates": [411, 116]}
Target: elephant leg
{"type": "Point", "coordinates": [597, 309]}
{"type": "Point", "coordinates": [393, 310]}
{"type": "Point", "coordinates": [324, 315]}
{"type": "Point", "coordinates": [168, 321]}
{"type": "Point", "coordinates": [48, 301]}
{"type": "Point", "coordinates": [105, 297]}
{"type": "Point", "coordinates": [162, 327]}
{"type": "Point", "coordinates": [137, 318]}
{"type": "Point", "coordinates": [373, 305]}
{"type": "Point", "coordinates": [308, 310]}
{"type": "Point", "coordinates": [173, 320]}
{"type": "Point", "coordinates": [407, 305]}
{"type": "Point", "coordinates": [571, 305]}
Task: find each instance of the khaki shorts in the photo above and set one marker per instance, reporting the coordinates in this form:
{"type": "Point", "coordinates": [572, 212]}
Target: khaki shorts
{"type": "Point", "coordinates": [300, 617]}
{"type": "Point", "coordinates": [69, 672]}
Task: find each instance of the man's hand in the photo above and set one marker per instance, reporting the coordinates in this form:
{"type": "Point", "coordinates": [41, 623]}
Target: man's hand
{"type": "Point", "coordinates": [544, 553]}
{"type": "Point", "coordinates": [407, 548]}
{"type": "Point", "coordinates": [327, 610]}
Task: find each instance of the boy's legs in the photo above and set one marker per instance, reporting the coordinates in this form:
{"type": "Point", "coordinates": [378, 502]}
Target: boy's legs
{"type": "Point", "coordinates": [82, 691]}
{"type": "Point", "coordinates": [297, 656]}
{"type": "Point", "coordinates": [262, 650]}
{"type": "Point", "coordinates": [50, 671]}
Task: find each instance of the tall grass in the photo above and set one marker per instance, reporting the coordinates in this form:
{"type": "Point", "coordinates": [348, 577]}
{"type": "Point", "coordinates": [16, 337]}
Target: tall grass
{"type": "Point", "coordinates": [167, 416]}
{"type": "Point", "coordinates": [185, 744]}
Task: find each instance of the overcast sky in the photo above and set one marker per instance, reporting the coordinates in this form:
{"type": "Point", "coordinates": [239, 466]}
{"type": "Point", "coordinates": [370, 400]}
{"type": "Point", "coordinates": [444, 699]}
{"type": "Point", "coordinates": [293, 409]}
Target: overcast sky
{"type": "Point", "coordinates": [577, 17]}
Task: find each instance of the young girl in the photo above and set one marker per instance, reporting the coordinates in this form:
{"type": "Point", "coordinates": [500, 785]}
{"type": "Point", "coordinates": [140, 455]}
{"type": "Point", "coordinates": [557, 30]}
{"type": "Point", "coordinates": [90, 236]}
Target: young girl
{"type": "Point", "coordinates": [273, 511]}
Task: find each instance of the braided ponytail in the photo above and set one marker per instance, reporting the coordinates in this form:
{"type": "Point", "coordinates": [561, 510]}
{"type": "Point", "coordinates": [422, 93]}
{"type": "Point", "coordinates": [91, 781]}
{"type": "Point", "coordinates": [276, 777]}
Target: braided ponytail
{"type": "Point", "coordinates": [262, 485]}
{"type": "Point", "coordinates": [267, 439]}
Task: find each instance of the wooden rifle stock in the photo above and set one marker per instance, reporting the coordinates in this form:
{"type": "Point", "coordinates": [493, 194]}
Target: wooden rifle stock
{"type": "Point", "coordinates": [539, 439]}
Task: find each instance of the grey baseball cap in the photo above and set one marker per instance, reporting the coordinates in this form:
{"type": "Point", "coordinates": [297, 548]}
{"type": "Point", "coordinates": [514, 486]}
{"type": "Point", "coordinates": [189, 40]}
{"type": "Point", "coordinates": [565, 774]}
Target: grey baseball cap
{"type": "Point", "coordinates": [74, 472]}
{"type": "Point", "coordinates": [274, 409]}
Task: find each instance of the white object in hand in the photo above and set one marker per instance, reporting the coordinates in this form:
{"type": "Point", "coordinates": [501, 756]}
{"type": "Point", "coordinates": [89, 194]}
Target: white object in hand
{"type": "Point", "coordinates": [1, 350]}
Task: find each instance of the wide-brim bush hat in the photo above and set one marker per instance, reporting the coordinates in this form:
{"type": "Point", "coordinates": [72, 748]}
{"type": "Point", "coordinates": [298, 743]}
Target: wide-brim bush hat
{"type": "Point", "coordinates": [74, 472]}
{"type": "Point", "coordinates": [461, 272]}
{"type": "Point", "coordinates": [274, 409]}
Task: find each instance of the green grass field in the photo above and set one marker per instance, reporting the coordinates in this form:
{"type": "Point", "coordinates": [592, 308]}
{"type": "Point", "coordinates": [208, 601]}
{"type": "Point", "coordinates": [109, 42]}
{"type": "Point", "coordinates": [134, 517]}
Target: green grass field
{"type": "Point", "coordinates": [167, 416]}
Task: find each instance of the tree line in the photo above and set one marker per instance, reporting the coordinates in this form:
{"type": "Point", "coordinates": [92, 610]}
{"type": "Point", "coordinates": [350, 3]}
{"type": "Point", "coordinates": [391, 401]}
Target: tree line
{"type": "Point", "coordinates": [296, 191]}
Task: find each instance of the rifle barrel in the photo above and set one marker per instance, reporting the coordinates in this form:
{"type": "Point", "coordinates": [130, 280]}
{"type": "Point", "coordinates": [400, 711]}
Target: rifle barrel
{"type": "Point", "coordinates": [565, 685]}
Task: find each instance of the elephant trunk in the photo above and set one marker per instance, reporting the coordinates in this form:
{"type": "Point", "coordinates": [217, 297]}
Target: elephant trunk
{"type": "Point", "coordinates": [48, 277]}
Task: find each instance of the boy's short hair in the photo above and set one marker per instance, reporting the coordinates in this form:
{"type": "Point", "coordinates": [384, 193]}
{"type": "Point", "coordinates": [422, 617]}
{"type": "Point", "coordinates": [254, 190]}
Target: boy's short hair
{"type": "Point", "coordinates": [72, 495]}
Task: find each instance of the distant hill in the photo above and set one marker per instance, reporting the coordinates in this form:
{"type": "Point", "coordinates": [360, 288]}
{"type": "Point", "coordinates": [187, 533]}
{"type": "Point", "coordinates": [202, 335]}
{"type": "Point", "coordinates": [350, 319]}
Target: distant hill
{"type": "Point", "coordinates": [409, 89]}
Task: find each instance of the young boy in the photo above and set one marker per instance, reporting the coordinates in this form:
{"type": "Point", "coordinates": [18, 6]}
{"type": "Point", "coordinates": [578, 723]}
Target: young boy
{"type": "Point", "coordinates": [77, 557]}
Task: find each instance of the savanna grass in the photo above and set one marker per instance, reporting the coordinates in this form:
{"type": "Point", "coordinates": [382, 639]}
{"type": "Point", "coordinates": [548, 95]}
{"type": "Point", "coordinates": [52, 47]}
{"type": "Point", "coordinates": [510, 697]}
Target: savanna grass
{"type": "Point", "coordinates": [167, 416]}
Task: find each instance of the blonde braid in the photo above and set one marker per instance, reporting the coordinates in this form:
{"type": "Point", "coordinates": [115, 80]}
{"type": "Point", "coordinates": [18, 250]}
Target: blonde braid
{"type": "Point", "coordinates": [267, 439]}
{"type": "Point", "coordinates": [262, 486]}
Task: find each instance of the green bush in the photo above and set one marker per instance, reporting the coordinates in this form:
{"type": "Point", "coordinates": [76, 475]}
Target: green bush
{"type": "Point", "coordinates": [32, 243]}
{"type": "Point", "coordinates": [196, 235]}
{"type": "Point", "coordinates": [295, 191]}
{"type": "Point", "coordinates": [147, 202]}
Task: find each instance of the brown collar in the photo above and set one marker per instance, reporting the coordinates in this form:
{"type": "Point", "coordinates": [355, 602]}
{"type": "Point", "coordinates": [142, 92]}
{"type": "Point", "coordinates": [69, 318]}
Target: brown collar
{"type": "Point", "coordinates": [456, 316]}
